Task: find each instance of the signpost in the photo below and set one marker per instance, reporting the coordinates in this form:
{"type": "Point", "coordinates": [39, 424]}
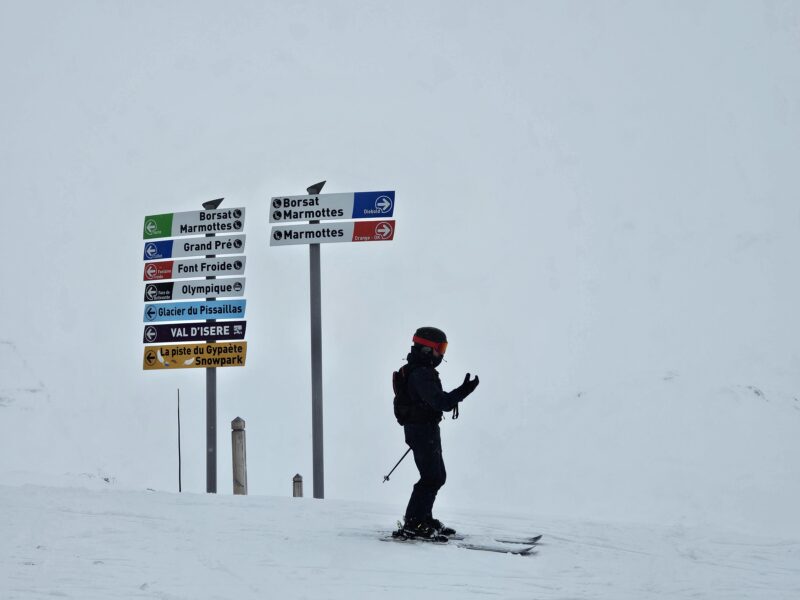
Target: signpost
{"type": "Point", "coordinates": [176, 290]}
{"type": "Point", "coordinates": [188, 356]}
{"type": "Point", "coordinates": [193, 267]}
{"type": "Point", "coordinates": [223, 244]}
{"type": "Point", "coordinates": [191, 332]}
{"type": "Point", "coordinates": [314, 208]}
{"type": "Point", "coordinates": [323, 233]}
{"type": "Point", "coordinates": [193, 311]}
{"type": "Point", "coordinates": [359, 205]}
{"type": "Point", "coordinates": [195, 222]}
{"type": "Point", "coordinates": [165, 259]}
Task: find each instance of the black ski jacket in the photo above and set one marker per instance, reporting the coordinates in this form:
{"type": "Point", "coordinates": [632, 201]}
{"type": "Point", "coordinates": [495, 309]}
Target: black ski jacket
{"type": "Point", "coordinates": [428, 399]}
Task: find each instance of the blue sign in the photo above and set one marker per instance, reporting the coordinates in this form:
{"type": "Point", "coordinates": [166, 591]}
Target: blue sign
{"type": "Point", "coordinates": [156, 250]}
{"type": "Point", "coordinates": [194, 311]}
{"type": "Point", "coordinates": [373, 205]}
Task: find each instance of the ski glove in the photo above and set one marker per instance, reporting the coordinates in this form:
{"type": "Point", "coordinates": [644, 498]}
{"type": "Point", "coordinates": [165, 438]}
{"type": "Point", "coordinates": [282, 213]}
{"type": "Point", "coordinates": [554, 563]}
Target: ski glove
{"type": "Point", "coordinates": [469, 385]}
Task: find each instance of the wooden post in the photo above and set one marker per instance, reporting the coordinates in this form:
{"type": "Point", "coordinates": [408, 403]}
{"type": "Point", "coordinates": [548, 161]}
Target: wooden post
{"type": "Point", "coordinates": [297, 486]}
{"type": "Point", "coordinates": [239, 457]}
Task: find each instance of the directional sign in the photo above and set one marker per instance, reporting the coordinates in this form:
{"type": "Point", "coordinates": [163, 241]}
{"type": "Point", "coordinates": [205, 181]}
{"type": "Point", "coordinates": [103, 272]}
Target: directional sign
{"type": "Point", "coordinates": [322, 233]}
{"type": "Point", "coordinates": [201, 288]}
{"type": "Point", "coordinates": [358, 205]}
{"type": "Point", "coordinates": [194, 311]}
{"type": "Point", "coordinates": [195, 222]}
{"type": "Point", "coordinates": [194, 267]}
{"type": "Point", "coordinates": [189, 356]}
{"type": "Point", "coordinates": [192, 332]}
{"type": "Point", "coordinates": [222, 244]}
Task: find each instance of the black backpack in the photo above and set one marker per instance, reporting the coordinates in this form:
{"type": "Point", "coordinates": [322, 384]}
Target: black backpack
{"type": "Point", "coordinates": [403, 408]}
{"type": "Point", "coordinates": [408, 411]}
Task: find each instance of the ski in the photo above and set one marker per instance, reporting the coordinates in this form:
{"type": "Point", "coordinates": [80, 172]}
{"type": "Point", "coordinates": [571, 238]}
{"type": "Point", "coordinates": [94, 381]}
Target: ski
{"type": "Point", "coordinates": [526, 541]}
{"type": "Point", "coordinates": [526, 551]}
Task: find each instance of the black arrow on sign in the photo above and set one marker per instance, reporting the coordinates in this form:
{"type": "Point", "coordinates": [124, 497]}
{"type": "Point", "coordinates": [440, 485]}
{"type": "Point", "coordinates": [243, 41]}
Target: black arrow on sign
{"type": "Point", "coordinates": [150, 312]}
{"type": "Point", "coordinates": [150, 357]}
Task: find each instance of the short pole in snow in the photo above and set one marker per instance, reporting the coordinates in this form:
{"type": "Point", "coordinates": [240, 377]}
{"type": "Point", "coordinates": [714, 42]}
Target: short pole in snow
{"type": "Point", "coordinates": [239, 454]}
{"type": "Point", "coordinates": [297, 486]}
{"type": "Point", "coordinates": [386, 478]}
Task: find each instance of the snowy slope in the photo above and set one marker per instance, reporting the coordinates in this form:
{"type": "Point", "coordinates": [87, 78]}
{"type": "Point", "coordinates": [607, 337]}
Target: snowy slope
{"type": "Point", "coordinates": [100, 544]}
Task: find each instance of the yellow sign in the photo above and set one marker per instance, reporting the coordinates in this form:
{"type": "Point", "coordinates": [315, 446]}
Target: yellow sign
{"type": "Point", "coordinates": [188, 356]}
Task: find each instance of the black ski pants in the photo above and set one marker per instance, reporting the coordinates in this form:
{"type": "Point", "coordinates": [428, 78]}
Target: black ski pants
{"type": "Point", "coordinates": [426, 444]}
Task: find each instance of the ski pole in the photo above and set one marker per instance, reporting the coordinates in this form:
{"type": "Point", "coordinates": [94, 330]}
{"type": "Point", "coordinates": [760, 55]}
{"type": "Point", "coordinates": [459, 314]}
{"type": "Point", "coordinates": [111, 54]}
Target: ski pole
{"type": "Point", "coordinates": [385, 479]}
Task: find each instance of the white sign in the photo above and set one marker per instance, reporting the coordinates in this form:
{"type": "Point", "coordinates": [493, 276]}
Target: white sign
{"type": "Point", "coordinates": [194, 267]}
{"type": "Point", "coordinates": [200, 288]}
{"type": "Point", "coordinates": [195, 222]}
{"type": "Point", "coordinates": [323, 233]}
{"type": "Point", "coordinates": [199, 246]}
{"type": "Point", "coordinates": [332, 207]}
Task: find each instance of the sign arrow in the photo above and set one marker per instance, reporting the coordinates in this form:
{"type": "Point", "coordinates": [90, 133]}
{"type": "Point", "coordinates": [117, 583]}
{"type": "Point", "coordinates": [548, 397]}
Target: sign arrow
{"type": "Point", "coordinates": [383, 204]}
{"type": "Point", "coordinates": [150, 358]}
{"type": "Point", "coordinates": [150, 312]}
{"type": "Point", "coordinates": [383, 230]}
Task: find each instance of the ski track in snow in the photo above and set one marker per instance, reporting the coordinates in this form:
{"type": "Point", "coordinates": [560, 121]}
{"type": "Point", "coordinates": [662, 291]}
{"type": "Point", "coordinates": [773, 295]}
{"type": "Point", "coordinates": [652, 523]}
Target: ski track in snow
{"type": "Point", "coordinates": [76, 543]}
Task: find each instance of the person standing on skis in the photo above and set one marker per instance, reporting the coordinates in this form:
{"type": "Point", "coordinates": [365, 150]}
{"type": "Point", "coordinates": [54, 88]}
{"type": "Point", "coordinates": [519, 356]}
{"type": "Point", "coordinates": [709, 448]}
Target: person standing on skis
{"type": "Point", "coordinates": [419, 403]}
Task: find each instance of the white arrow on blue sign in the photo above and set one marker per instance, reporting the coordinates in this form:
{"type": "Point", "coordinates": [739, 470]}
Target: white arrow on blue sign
{"type": "Point", "coordinates": [332, 207]}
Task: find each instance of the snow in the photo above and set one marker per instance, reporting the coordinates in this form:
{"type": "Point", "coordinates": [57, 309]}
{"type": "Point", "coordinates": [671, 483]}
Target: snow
{"type": "Point", "coordinates": [73, 542]}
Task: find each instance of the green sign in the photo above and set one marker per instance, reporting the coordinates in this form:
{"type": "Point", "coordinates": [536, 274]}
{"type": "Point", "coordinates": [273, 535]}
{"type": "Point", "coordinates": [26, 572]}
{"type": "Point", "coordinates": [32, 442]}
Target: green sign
{"type": "Point", "coordinates": [156, 226]}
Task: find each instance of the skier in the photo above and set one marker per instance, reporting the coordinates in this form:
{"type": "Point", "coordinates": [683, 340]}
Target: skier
{"type": "Point", "coordinates": [419, 402]}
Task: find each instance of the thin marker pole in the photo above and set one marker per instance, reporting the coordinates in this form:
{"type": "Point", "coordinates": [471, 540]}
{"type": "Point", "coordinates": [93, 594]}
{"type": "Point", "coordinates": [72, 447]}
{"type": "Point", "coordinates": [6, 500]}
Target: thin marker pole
{"type": "Point", "coordinates": [180, 474]}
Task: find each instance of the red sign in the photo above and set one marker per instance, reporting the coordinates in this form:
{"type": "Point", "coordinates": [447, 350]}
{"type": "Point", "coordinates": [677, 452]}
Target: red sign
{"type": "Point", "coordinates": [158, 270]}
{"type": "Point", "coordinates": [373, 231]}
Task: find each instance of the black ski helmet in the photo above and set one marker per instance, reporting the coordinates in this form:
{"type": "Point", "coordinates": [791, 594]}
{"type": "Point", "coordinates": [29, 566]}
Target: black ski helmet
{"type": "Point", "coordinates": [430, 337]}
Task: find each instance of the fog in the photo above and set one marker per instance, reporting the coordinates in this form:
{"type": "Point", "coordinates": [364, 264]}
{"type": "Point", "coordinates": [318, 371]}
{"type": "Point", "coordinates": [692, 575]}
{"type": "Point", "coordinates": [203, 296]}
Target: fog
{"type": "Point", "coordinates": [593, 200]}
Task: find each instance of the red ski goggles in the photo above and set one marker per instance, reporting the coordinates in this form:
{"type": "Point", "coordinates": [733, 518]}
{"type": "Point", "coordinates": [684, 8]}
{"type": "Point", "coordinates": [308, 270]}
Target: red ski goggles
{"type": "Point", "coordinates": [440, 347]}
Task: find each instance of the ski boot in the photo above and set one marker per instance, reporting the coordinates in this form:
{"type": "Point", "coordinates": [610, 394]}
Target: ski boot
{"type": "Point", "coordinates": [416, 529]}
{"type": "Point", "coordinates": [440, 527]}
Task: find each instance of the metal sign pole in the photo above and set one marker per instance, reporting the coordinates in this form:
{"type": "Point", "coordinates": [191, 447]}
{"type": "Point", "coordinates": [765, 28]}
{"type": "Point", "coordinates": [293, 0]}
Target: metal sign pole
{"type": "Point", "coordinates": [316, 362]}
{"type": "Point", "coordinates": [211, 398]}
{"type": "Point", "coordinates": [211, 430]}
